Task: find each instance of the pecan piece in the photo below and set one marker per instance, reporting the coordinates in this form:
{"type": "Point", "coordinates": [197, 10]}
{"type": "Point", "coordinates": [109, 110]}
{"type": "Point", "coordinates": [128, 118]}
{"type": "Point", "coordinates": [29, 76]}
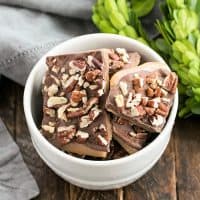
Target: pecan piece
{"type": "Point", "coordinates": [149, 92]}
{"type": "Point", "coordinates": [76, 96]}
{"type": "Point", "coordinates": [92, 75]}
{"type": "Point", "coordinates": [149, 110]}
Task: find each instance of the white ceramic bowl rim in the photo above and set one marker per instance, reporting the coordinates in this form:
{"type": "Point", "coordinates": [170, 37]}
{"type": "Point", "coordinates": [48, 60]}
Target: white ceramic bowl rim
{"type": "Point", "coordinates": [27, 109]}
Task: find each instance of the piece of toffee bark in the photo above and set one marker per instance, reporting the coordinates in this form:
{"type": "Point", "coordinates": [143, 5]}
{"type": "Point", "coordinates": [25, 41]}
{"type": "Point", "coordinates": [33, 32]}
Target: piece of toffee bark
{"type": "Point", "coordinates": [120, 59]}
{"type": "Point", "coordinates": [74, 91]}
{"type": "Point", "coordinates": [143, 95]}
{"type": "Point", "coordinates": [131, 138]}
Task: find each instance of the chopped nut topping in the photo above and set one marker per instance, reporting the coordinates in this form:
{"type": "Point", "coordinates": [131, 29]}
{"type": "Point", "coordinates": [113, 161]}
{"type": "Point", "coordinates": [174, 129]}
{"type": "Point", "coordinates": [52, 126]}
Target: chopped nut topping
{"type": "Point", "coordinates": [149, 110]}
{"type": "Point", "coordinates": [61, 112]}
{"type": "Point", "coordinates": [52, 90]}
{"type": "Point", "coordinates": [164, 107]}
{"type": "Point", "coordinates": [114, 56]}
{"type": "Point", "coordinates": [52, 101]}
{"type": "Point", "coordinates": [132, 134]}
{"type": "Point", "coordinates": [153, 103]}
{"type": "Point", "coordinates": [66, 128]}
{"type": "Point", "coordinates": [92, 75]}
{"type": "Point", "coordinates": [76, 96]}
{"type": "Point", "coordinates": [163, 92]}
{"type": "Point", "coordinates": [55, 69]}
{"type": "Point", "coordinates": [86, 84]}
{"type": "Point", "coordinates": [84, 100]}
{"type": "Point", "coordinates": [124, 87]}
{"type": "Point", "coordinates": [158, 92]}
{"type": "Point", "coordinates": [50, 112]}
{"type": "Point", "coordinates": [77, 66]}
{"type": "Point", "coordinates": [69, 83]}
{"type": "Point", "coordinates": [119, 100]}
{"type": "Point", "coordinates": [137, 99]}
{"type": "Point", "coordinates": [55, 79]}
{"type": "Point", "coordinates": [94, 113]}
{"type": "Point", "coordinates": [165, 100]}
{"type": "Point", "coordinates": [102, 127]}
{"type": "Point", "coordinates": [134, 112]}
{"type": "Point", "coordinates": [93, 87]}
{"type": "Point", "coordinates": [49, 129]}
{"type": "Point", "coordinates": [144, 101]}
{"type": "Point", "coordinates": [85, 121]}
{"type": "Point", "coordinates": [149, 92]}
{"type": "Point", "coordinates": [80, 81]}
{"type": "Point", "coordinates": [65, 77]}
{"type": "Point", "coordinates": [161, 112]}
{"type": "Point", "coordinates": [129, 100]}
{"type": "Point", "coordinates": [62, 70]}
{"type": "Point", "coordinates": [123, 54]}
{"type": "Point", "coordinates": [52, 123]}
{"type": "Point", "coordinates": [138, 81]}
{"type": "Point", "coordinates": [157, 120]}
{"type": "Point", "coordinates": [102, 140]}
{"type": "Point", "coordinates": [73, 109]}
{"type": "Point", "coordinates": [82, 134]}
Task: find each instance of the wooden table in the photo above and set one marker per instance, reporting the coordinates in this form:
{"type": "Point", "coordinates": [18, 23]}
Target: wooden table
{"type": "Point", "coordinates": [175, 176]}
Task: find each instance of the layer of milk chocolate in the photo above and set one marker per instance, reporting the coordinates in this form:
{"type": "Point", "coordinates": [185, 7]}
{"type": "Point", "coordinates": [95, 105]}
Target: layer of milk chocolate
{"type": "Point", "coordinates": [143, 95]}
{"type": "Point", "coordinates": [131, 138]}
{"type": "Point", "coordinates": [74, 92]}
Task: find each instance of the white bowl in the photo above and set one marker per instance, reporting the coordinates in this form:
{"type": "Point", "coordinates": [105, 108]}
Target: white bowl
{"type": "Point", "coordinates": [100, 175]}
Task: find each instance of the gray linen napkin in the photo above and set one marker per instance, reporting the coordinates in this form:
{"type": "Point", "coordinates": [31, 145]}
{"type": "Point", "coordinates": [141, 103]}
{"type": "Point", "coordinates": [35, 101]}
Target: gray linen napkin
{"type": "Point", "coordinates": [24, 37]}
{"type": "Point", "coordinates": [26, 34]}
{"type": "Point", "coordinates": [16, 182]}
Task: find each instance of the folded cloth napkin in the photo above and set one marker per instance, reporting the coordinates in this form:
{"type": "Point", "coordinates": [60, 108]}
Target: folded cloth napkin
{"type": "Point", "coordinates": [28, 30]}
{"type": "Point", "coordinates": [16, 181]}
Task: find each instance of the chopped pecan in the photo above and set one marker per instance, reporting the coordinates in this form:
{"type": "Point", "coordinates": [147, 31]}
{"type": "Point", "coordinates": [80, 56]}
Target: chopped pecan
{"type": "Point", "coordinates": [76, 96]}
{"type": "Point", "coordinates": [124, 87]}
{"type": "Point", "coordinates": [158, 92]}
{"type": "Point", "coordinates": [119, 100]}
{"type": "Point", "coordinates": [149, 92]}
{"type": "Point", "coordinates": [65, 134]}
{"type": "Point", "coordinates": [141, 110]}
{"type": "Point", "coordinates": [164, 107]}
{"type": "Point", "coordinates": [81, 136]}
{"type": "Point", "coordinates": [52, 90]}
{"type": "Point", "coordinates": [48, 128]}
{"type": "Point", "coordinates": [114, 56]}
{"type": "Point", "coordinates": [157, 120]}
{"type": "Point", "coordinates": [94, 113]}
{"type": "Point", "coordinates": [170, 82]}
{"type": "Point", "coordinates": [144, 101]}
{"type": "Point", "coordinates": [102, 141]}
{"type": "Point", "coordinates": [54, 101]}
{"type": "Point", "coordinates": [92, 75]}
{"type": "Point", "coordinates": [50, 112]}
{"type": "Point", "coordinates": [161, 112]}
{"type": "Point", "coordinates": [149, 110]}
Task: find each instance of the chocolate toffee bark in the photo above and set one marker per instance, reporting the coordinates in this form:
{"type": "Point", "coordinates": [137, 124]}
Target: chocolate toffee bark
{"type": "Point", "coordinates": [74, 93]}
{"type": "Point", "coordinates": [131, 138]}
{"type": "Point", "coordinates": [143, 95]}
{"type": "Point", "coordinates": [120, 59]}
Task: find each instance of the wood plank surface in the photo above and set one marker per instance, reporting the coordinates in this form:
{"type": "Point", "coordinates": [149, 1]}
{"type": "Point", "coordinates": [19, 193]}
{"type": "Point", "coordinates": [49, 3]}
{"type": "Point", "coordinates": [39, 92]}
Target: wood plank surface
{"type": "Point", "coordinates": [187, 149]}
{"type": "Point", "coordinates": [175, 176]}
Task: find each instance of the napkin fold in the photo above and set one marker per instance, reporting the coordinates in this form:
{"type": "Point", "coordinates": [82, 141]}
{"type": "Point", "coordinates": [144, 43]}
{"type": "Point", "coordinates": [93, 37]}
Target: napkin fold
{"type": "Point", "coordinates": [16, 181]}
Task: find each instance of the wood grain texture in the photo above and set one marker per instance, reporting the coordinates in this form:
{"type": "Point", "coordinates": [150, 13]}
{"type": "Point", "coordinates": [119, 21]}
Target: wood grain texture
{"type": "Point", "coordinates": [187, 149]}
{"type": "Point", "coordinates": [159, 182]}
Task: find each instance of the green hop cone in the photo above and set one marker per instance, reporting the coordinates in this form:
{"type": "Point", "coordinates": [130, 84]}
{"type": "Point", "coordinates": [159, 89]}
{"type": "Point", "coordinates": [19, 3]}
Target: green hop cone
{"type": "Point", "coordinates": [117, 20]}
{"type": "Point", "coordinates": [123, 8]}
